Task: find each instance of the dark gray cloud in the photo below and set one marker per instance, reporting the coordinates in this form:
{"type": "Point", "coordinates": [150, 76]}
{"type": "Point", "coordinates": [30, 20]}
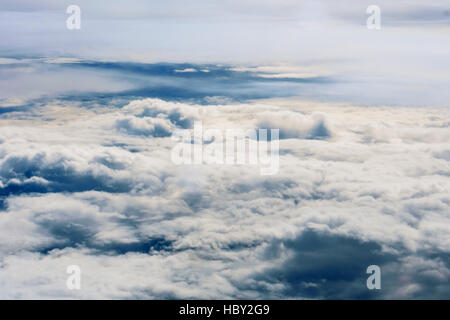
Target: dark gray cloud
{"type": "Point", "coordinates": [42, 175]}
{"type": "Point", "coordinates": [324, 266]}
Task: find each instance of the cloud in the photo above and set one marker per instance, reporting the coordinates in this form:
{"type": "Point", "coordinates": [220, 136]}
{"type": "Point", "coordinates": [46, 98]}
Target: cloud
{"type": "Point", "coordinates": [296, 125]}
{"type": "Point", "coordinates": [148, 127]}
{"type": "Point", "coordinates": [324, 266]}
{"type": "Point", "coordinates": [107, 197]}
{"type": "Point", "coordinates": [186, 70]}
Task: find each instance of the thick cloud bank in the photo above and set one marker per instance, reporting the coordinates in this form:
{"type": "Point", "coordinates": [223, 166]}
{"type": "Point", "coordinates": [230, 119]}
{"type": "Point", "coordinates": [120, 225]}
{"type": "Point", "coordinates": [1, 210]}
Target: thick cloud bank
{"type": "Point", "coordinates": [356, 186]}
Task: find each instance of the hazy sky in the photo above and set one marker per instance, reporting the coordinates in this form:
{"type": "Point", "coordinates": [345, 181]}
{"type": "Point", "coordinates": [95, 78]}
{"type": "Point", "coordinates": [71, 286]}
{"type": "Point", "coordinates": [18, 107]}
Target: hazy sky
{"type": "Point", "coordinates": [224, 31]}
{"type": "Point", "coordinates": [410, 53]}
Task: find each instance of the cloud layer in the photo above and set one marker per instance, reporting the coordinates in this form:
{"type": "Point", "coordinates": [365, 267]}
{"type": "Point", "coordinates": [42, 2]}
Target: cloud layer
{"type": "Point", "coordinates": [356, 186]}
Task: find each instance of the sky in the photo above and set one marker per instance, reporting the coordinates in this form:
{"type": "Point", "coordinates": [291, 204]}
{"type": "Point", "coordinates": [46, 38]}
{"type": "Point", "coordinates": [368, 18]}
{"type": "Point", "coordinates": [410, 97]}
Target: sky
{"type": "Point", "coordinates": [87, 119]}
{"type": "Point", "coordinates": [404, 62]}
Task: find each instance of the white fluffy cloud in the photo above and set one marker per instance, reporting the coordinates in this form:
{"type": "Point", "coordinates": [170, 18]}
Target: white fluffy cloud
{"type": "Point", "coordinates": [100, 191]}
